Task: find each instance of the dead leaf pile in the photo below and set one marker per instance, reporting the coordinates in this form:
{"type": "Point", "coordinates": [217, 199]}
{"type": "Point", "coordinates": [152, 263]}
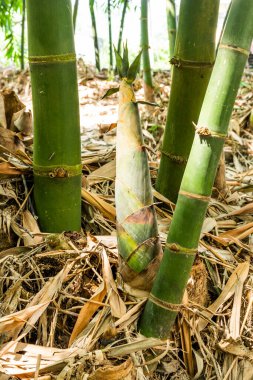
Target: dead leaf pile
{"type": "Point", "coordinates": [65, 313]}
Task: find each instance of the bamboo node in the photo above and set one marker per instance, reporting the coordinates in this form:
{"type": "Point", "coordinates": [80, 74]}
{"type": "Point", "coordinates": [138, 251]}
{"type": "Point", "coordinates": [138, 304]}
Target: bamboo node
{"type": "Point", "coordinates": [59, 58]}
{"type": "Point", "coordinates": [177, 159]}
{"type": "Point", "coordinates": [179, 62]}
{"type": "Point", "coordinates": [179, 249]}
{"type": "Point", "coordinates": [200, 197]}
{"type": "Point", "coordinates": [205, 131]}
{"type": "Point", "coordinates": [145, 47]}
{"type": "Point", "coordinates": [235, 48]}
{"type": "Point", "coordinates": [165, 305]}
{"type": "Point", "coordinates": [57, 171]}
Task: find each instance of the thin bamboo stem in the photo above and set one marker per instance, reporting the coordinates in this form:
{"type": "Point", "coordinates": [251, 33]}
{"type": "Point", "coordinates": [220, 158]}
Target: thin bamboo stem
{"type": "Point", "coordinates": [94, 34]}
{"type": "Point", "coordinates": [22, 50]}
{"type": "Point", "coordinates": [147, 73]}
{"type": "Point", "coordinates": [110, 35]}
{"type": "Point", "coordinates": [171, 25]}
{"type": "Point", "coordinates": [122, 25]}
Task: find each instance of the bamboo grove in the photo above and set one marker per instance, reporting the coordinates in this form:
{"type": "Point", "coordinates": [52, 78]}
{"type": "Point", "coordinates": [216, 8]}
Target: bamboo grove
{"type": "Point", "coordinates": [204, 87]}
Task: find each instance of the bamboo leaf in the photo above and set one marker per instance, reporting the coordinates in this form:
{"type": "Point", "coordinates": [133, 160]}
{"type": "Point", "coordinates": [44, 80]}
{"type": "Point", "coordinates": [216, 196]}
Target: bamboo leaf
{"type": "Point", "coordinates": [119, 62]}
{"type": "Point", "coordinates": [18, 319]}
{"type": "Point", "coordinates": [110, 92]}
{"type": "Point", "coordinates": [30, 224]}
{"type": "Point", "coordinates": [125, 63]}
{"type": "Point", "coordinates": [87, 312]}
{"type": "Point", "coordinates": [105, 208]}
{"type": "Point", "coordinates": [109, 372]}
{"type": "Point", "coordinates": [118, 308]}
{"type": "Point", "coordinates": [134, 68]}
{"type": "Point", "coordinates": [240, 273]}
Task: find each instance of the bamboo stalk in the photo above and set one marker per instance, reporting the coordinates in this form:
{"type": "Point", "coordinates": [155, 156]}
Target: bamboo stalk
{"type": "Point", "coordinates": [94, 34]}
{"type": "Point", "coordinates": [110, 34]}
{"type": "Point", "coordinates": [122, 25]}
{"type": "Point", "coordinates": [57, 157]}
{"type": "Point", "coordinates": [22, 50]}
{"type": "Point", "coordinates": [193, 63]}
{"type": "Point", "coordinates": [171, 25]}
{"type": "Point", "coordinates": [147, 74]}
{"type": "Point", "coordinates": [182, 242]}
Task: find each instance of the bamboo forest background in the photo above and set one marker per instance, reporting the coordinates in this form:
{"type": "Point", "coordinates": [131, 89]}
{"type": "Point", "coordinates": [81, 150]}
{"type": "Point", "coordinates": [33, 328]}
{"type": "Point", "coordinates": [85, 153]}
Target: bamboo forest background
{"type": "Point", "coordinates": [10, 46]}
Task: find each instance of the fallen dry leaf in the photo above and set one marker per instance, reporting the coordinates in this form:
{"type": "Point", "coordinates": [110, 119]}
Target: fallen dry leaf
{"type": "Point", "coordinates": [229, 289]}
{"type": "Point", "coordinates": [9, 142]}
{"type": "Point", "coordinates": [105, 172]}
{"type": "Point", "coordinates": [87, 312]}
{"type": "Point", "coordinates": [30, 224]}
{"type": "Point", "coordinates": [22, 122]}
{"type": "Point", "coordinates": [118, 372]}
{"type": "Point", "coordinates": [94, 200]}
{"type": "Point", "coordinates": [18, 319]}
{"type": "Point", "coordinates": [118, 307]}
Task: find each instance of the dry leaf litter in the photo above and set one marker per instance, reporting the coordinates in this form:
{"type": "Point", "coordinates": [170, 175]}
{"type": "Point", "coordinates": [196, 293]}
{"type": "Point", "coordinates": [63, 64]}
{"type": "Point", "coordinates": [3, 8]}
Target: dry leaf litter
{"type": "Point", "coordinates": [65, 313]}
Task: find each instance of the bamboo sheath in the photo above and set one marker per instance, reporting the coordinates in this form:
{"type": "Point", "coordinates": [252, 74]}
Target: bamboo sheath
{"type": "Point", "coordinates": [182, 242]}
{"type": "Point", "coordinates": [57, 156]}
{"type": "Point", "coordinates": [137, 231]}
{"type": "Point", "coordinates": [192, 66]}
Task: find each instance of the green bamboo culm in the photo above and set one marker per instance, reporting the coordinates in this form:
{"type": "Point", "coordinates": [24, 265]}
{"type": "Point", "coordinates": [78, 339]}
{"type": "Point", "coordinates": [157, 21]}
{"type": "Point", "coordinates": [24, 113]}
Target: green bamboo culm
{"type": "Point", "coordinates": [57, 153]}
{"type": "Point", "coordinates": [138, 239]}
{"type": "Point", "coordinates": [192, 67]}
{"type": "Point", "coordinates": [182, 242]}
{"type": "Point", "coordinates": [110, 34]}
{"type": "Point", "coordinates": [94, 34]}
{"type": "Point", "coordinates": [171, 25]}
{"type": "Point", "coordinates": [147, 73]}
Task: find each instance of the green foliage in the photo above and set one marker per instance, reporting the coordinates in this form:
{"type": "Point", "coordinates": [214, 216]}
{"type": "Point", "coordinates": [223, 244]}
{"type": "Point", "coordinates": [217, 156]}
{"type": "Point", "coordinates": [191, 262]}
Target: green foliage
{"type": "Point", "coordinates": [134, 68]}
{"type": "Point", "coordinates": [114, 4]}
{"type": "Point", "coordinates": [8, 10]}
{"type": "Point", "coordinates": [110, 92]}
{"type": "Point", "coordinates": [123, 68]}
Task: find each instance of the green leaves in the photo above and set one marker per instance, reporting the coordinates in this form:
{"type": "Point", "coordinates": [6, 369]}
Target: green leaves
{"type": "Point", "coordinates": [125, 62]}
{"type": "Point", "coordinates": [123, 68]}
{"type": "Point", "coordinates": [119, 62]}
{"type": "Point", "coordinates": [134, 68]}
{"type": "Point", "coordinates": [110, 92]}
{"type": "Point", "coordinates": [9, 10]}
